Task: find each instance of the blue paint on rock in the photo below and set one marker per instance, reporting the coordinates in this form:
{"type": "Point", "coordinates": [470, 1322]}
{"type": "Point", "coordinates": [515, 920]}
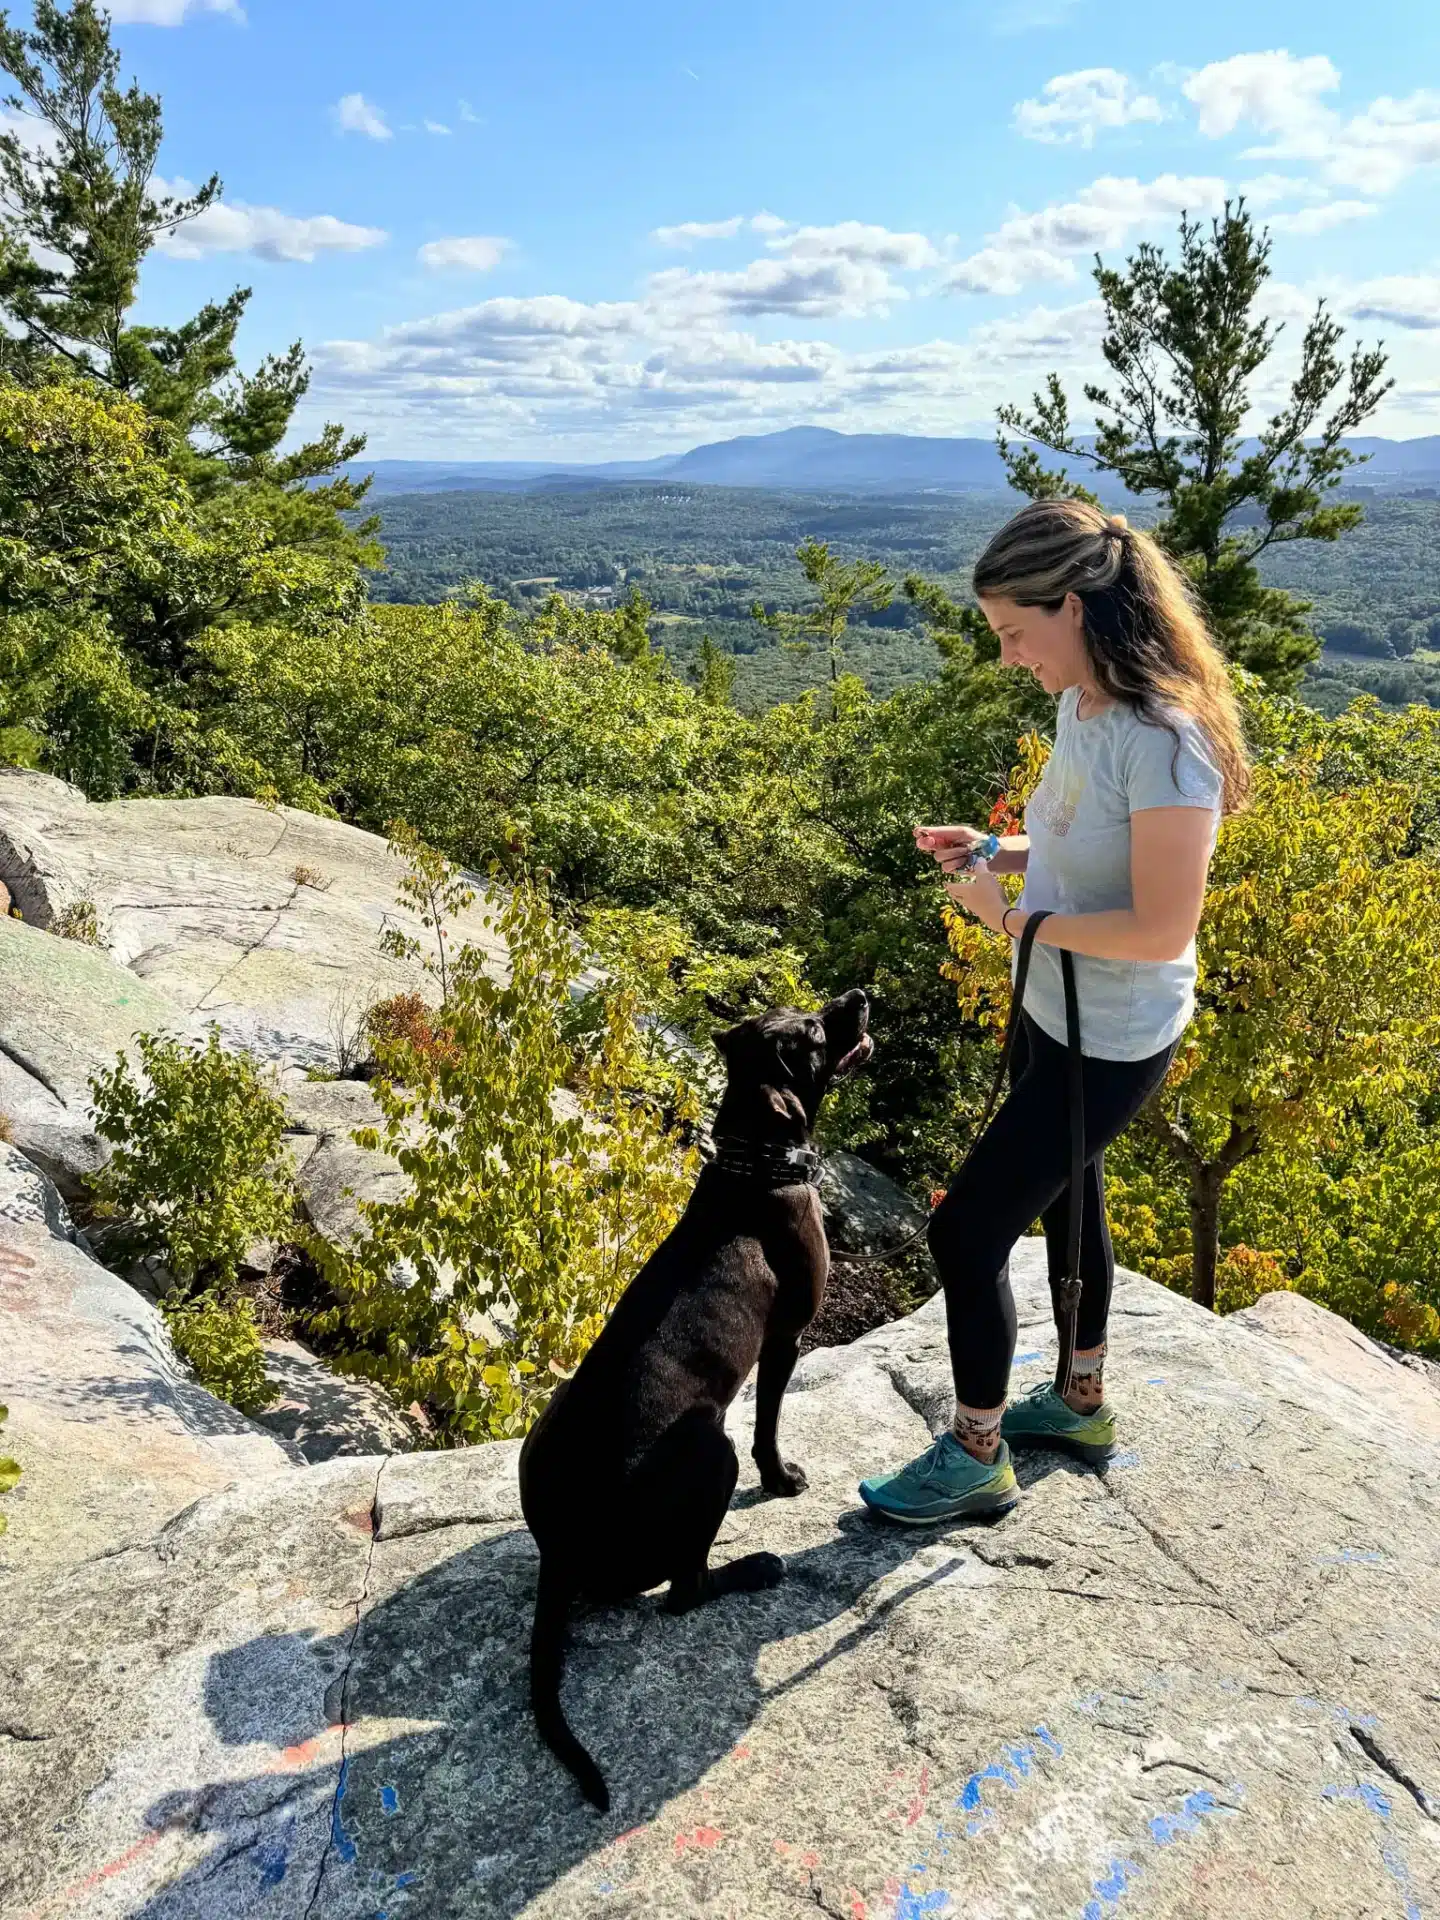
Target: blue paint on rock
{"type": "Point", "coordinates": [1368, 1796]}
{"type": "Point", "coordinates": [339, 1838]}
{"type": "Point", "coordinates": [912, 1906]}
{"type": "Point", "coordinates": [272, 1857]}
{"type": "Point", "coordinates": [389, 1800]}
{"type": "Point", "coordinates": [1109, 1888]}
{"type": "Point", "coordinates": [1166, 1827]}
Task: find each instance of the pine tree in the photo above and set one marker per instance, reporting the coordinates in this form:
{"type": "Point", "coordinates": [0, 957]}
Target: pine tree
{"type": "Point", "coordinates": [1186, 342]}
{"type": "Point", "coordinates": [79, 212]}
{"type": "Point", "coordinates": [841, 588]}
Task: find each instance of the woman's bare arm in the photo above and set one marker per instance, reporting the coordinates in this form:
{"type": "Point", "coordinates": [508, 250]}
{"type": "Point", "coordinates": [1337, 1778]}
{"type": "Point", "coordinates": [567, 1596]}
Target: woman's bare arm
{"type": "Point", "coordinates": [1169, 861]}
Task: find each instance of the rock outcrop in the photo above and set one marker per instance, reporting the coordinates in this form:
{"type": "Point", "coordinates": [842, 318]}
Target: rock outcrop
{"type": "Point", "coordinates": [1201, 1682]}
{"type": "Point", "coordinates": [266, 921]}
{"type": "Point", "coordinates": [112, 1433]}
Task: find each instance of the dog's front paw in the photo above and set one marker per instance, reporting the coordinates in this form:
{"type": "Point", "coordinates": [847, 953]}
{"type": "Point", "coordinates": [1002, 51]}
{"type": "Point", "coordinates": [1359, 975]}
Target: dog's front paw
{"type": "Point", "coordinates": [784, 1478]}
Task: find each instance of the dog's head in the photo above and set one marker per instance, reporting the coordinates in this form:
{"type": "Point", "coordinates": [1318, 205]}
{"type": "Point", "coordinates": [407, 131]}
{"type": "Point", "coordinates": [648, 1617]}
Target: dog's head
{"type": "Point", "coordinates": [783, 1062]}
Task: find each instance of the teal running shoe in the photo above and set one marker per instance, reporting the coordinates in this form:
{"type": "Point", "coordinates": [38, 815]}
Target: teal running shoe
{"type": "Point", "coordinates": [1042, 1419]}
{"type": "Point", "coordinates": [945, 1483]}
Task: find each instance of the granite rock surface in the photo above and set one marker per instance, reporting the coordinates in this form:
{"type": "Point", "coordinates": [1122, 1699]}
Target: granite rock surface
{"type": "Point", "coordinates": [1203, 1681]}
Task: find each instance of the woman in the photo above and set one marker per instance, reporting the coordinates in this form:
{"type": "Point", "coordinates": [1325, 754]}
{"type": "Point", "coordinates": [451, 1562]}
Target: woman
{"type": "Point", "coordinates": [1148, 756]}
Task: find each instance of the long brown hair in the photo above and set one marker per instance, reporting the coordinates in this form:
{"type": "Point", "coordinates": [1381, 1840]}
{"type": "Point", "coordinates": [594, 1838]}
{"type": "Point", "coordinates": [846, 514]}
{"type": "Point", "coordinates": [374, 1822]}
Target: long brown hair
{"type": "Point", "coordinates": [1145, 635]}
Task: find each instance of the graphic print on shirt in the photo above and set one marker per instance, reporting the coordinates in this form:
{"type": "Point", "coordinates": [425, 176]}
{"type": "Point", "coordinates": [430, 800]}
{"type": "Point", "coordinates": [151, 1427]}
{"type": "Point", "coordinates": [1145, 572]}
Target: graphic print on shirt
{"type": "Point", "coordinates": [1056, 798]}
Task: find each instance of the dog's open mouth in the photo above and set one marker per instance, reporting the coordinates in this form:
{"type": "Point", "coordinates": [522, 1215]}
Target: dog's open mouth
{"type": "Point", "coordinates": [856, 1057]}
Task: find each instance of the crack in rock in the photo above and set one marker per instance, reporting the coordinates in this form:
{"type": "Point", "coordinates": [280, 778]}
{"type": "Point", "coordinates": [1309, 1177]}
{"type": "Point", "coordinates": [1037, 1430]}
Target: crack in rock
{"type": "Point", "coordinates": [350, 1644]}
{"type": "Point", "coordinates": [9, 1731]}
{"type": "Point", "coordinates": [1371, 1747]}
{"type": "Point", "coordinates": [26, 1065]}
{"type": "Point", "coordinates": [255, 945]}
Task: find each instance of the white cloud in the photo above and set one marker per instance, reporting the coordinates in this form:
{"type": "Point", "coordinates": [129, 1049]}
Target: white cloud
{"type": "Point", "coordinates": [1044, 245]}
{"type": "Point", "coordinates": [1412, 302]}
{"type": "Point", "coordinates": [1077, 106]}
{"type": "Point", "coordinates": [435, 126]}
{"type": "Point", "coordinates": [1379, 148]}
{"type": "Point", "coordinates": [1279, 95]}
{"type": "Point", "coordinates": [1275, 92]}
{"type": "Point", "coordinates": [549, 370]}
{"type": "Point", "coordinates": [475, 253]}
{"type": "Point", "coordinates": [689, 233]}
{"type": "Point", "coordinates": [354, 114]}
{"type": "Point", "coordinates": [1268, 189]}
{"type": "Point", "coordinates": [36, 136]}
{"type": "Point", "coordinates": [1320, 219]}
{"type": "Point", "coordinates": [230, 226]}
{"type": "Point", "coordinates": [468, 114]}
{"type": "Point", "coordinates": [810, 288]}
{"type": "Point", "coordinates": [853, 240]}
{"type": "Point", "coordinates": [167, 13]}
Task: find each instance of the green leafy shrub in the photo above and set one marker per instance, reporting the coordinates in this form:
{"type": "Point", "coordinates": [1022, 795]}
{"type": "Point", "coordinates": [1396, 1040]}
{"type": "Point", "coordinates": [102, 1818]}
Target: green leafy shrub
{"type": "Point", "coordinates": [217, 1335]}
{"type": "Point", "coordinates": [192, 1172]}
{"type": "Point", "coordinates": [9, 1470]}
{"type": "Point", "coordinates": [540, 1184]}
{"type": "Point", "coordinates": [194, 1180]}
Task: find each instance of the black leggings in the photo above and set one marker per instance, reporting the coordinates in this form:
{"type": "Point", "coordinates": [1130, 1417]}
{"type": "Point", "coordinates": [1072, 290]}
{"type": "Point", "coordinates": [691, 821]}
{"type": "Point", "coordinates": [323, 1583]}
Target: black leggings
{"type": "Point", "coordinates": [1018, 1173]}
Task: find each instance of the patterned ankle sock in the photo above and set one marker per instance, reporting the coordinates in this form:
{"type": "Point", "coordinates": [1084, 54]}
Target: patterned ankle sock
{"type": "Point", "coordinates": [1087, 1374]}
{"type": "Point", "coordinates": [978, 1430]}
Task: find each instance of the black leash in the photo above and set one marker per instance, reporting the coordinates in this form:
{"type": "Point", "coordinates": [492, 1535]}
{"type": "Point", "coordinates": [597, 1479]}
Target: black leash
{"type": "Point", "coordinates": [1067, 1292]}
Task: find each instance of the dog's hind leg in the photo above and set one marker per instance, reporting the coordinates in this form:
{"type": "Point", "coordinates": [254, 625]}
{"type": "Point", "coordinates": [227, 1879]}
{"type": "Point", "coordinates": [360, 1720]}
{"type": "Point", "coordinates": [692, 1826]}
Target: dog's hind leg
{"type": "Point", "coordinates": [686, 1488]}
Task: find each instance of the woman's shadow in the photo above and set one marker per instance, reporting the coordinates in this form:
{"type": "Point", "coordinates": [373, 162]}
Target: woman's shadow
{"type": "Point", "coordinates": [464, 1808]}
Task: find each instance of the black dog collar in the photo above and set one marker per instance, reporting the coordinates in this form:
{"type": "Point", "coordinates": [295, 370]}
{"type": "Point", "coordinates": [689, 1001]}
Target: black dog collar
{"type": "Point", "coordinates": [770, 1163]}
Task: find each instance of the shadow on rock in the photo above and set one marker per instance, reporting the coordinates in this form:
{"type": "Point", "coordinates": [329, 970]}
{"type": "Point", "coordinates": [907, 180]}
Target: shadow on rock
{"type": "Point", "coordinates": [446, 1793]}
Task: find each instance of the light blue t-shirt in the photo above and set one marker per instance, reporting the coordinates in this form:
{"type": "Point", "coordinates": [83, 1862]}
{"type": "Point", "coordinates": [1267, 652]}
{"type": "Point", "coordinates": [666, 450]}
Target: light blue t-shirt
{"type": "Point", "coordinates": [1101, 771]}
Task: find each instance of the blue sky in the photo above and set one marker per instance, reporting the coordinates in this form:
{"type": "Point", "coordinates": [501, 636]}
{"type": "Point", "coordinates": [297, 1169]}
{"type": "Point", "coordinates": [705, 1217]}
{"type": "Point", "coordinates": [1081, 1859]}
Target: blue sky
{"type": "Point", "coordinates": [560, 228]}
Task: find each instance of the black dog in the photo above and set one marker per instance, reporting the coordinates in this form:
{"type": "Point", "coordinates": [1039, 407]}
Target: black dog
{"type": "Point", "coordinates": [626, 1477]}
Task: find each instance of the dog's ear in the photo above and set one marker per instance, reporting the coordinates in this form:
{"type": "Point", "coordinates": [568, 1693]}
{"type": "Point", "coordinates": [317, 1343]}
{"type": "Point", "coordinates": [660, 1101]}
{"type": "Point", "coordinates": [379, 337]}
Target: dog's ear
{"type": "Point", "coordinates": [786, 1103]}
{"type": "Point", "coordinates": [725, 1038]}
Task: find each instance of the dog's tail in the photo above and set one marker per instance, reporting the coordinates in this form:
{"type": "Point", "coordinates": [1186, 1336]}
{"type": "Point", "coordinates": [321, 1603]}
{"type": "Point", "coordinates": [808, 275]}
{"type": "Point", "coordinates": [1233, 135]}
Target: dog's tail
{"type": "Point", "coordinates": [547, 1660]}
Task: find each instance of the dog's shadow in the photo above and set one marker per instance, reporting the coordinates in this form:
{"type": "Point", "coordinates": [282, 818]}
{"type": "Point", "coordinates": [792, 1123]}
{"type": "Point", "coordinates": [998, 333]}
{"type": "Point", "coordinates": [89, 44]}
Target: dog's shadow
{"type": "Point", "coordinates": [462, 1807]}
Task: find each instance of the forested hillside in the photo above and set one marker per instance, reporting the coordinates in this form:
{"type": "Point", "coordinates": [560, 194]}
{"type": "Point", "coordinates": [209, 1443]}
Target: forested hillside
{"type": "Point", "coordinates": [702, 555]}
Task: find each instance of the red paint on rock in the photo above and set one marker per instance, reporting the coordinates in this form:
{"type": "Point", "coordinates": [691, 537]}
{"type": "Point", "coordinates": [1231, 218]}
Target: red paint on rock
{"type": "Point", "coordinates": [702, 1837]}
{"type": "Point", "coordinates": [917, 1805]}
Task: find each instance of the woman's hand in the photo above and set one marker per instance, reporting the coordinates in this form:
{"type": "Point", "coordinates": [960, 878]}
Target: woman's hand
{"type": "Point", "coordinates": [952, 848]}
{"type": "Point", "coordinates": [980, 893]}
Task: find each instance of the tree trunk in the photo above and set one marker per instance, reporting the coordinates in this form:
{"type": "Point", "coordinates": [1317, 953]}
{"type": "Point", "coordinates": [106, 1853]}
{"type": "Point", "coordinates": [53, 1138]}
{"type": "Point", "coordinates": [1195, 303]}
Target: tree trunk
{"type": "Point", "coordinates": [1206, 1180]}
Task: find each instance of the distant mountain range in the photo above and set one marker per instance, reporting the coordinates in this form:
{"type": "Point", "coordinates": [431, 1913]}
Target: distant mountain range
{"type": "Point", "coordinates": [805, 458]}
